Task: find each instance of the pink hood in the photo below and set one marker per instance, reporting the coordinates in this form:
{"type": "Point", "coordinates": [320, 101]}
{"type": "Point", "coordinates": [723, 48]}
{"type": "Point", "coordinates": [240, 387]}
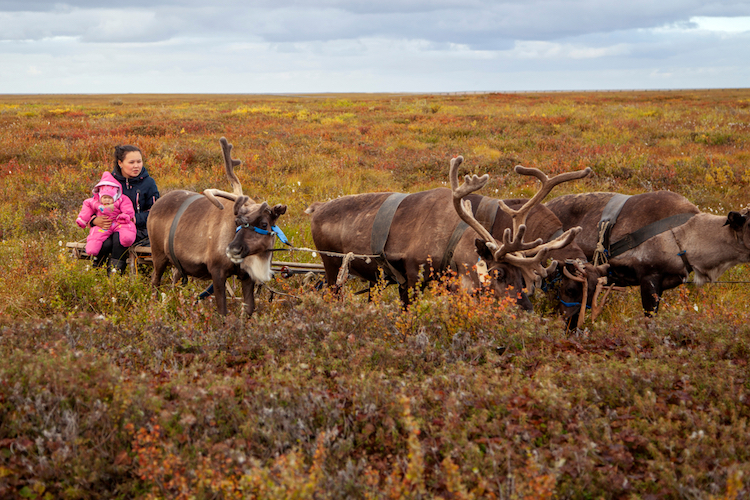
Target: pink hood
{"type": "Point", "coordinates": [108, 180]}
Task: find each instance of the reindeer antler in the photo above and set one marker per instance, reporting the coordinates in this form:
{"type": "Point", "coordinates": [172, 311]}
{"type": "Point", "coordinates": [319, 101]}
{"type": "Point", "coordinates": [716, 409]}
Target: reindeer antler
{"type": "Point", "coordinates": [512, 241]}
{"type": "Point", "coordinates": [580, 276]}
{"type": "Point", "coordinates": [601, 284]}
{"type": "Point", "coordinates": [229, 165]}
{"type": "Point", "coordinates": [211, 194]}
{"type": "Point", "coordinates": [519, 216]}
{"type": "Point", "coordinates": [528, 256]}
{"type": "Point", "coordinates": [470, 185]}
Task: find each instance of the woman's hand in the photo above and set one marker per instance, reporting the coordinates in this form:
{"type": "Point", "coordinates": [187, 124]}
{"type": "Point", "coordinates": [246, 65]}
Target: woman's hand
{"type": "Point", "coordinates": [102, 222]}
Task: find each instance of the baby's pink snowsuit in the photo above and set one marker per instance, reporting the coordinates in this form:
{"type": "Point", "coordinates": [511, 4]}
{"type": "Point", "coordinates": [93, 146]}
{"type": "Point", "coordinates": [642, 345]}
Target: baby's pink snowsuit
{"type": "Point", "coordinates": [121, 213]}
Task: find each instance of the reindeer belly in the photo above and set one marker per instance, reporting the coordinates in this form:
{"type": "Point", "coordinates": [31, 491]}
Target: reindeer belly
{"type": "Point", "coordinates": [659, 256]}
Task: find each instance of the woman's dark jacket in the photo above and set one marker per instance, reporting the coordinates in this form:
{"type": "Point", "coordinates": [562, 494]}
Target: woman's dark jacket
{"type": "Point", "coordinates": [143, 192]}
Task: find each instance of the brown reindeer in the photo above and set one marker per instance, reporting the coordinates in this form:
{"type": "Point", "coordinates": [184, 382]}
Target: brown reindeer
{"type": "Point", "coordinates": [657, 240]}
{"type": "Point", "coordinates": [194, 233]}
{"type": "Point", "coordinates": [576, 284]}
{"type": "Point", "coordinates": [576, 276]}
{"type": "Point", "coordinates": [417, 242]}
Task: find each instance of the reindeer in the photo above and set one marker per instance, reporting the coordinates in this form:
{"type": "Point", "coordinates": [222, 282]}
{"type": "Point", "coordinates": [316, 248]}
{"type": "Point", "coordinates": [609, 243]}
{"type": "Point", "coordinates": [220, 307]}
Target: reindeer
{"type": "Point", "coordinates": [577, 284]}
{"type": "Point", "coordinates": [576, 276]}
{"type": "Point", "coordinates": [194, 234]}
{"type": "Point", "coordinates": [657, 240]}
{"type": "Point", "coordinates": [420, 238]}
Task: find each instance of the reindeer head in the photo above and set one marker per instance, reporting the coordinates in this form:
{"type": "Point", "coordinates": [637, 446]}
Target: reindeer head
{"type": "Point", "coordinates": [256, 229]}
{"type": "Point", "coordinates": [515, 262]}
{"type": "Point", "coordinates": [255, 223]}
{"type": "Point", "coordinates": [739, 222]}
{"type": "Point", "coordinates": [581, 285]}
{"type": "Point", "coordinates": [501, 278]}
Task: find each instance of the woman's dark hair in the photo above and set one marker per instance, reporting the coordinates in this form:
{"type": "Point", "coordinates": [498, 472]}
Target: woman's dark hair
{"type": "Point", "coordinates": [121, 152]}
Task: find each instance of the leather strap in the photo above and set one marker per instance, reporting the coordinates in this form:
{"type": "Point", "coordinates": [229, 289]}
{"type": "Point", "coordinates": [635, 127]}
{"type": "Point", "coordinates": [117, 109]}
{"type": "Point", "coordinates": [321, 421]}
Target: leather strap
{"type": "Point", "coordinates": [608, 219]}
{"type": "Point", "coordinates": [635, 238]}
{"type": "Point", "coordinates": [173, 230]}
{"type": "Point", "coordinates": [613, 208]}
{"type": "Point", "coordinates": [380, 228]}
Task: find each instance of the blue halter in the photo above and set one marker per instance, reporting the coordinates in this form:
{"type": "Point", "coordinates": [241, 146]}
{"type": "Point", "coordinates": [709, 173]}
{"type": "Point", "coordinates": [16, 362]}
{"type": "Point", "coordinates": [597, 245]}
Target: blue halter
{"type": "Point", "coordinates": [572, 304]}
{"type": "Point", "coordinates": [274, 230]}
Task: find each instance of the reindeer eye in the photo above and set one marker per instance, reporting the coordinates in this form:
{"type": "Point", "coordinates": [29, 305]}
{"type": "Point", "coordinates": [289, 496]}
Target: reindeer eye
{"type": "Point", "coordinates": [499, 273]}
{"type": "Point", "coordinates": [264, 225]}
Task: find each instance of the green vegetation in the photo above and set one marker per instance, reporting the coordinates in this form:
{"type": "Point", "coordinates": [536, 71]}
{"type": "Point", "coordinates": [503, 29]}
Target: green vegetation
{"type": "Point", "coordinates": [110, 389]}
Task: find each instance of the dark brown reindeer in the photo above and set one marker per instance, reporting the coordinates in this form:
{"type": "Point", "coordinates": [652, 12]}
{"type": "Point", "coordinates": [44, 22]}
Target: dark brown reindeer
{"type": "Point", "coordinates": [576, 284]}
{"type": "Point", "coordinates": [579, 283]}
{"type": "Point", "coordinates": [657, 239]}
{"type": "Point", "coordinates": [418, 237]}
{"type": "Point", "coordinates": [194, 233]}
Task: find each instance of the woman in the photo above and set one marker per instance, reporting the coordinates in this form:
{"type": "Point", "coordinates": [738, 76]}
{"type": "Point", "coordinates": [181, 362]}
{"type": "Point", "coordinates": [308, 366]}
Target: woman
{"type": "Point", "coordinates": [142, 191]}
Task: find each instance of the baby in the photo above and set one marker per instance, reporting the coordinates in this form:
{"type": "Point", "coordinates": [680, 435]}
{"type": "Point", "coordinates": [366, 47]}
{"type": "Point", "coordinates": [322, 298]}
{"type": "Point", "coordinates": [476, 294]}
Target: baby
{"type": "Point", "coordinates": [107, 201]}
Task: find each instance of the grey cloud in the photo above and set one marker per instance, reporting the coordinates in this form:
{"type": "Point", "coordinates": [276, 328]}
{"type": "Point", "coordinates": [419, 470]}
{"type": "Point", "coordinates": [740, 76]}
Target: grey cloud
{"type": "Point", "coordinates": [329, 46]}
{"type": "Point", "coordinates": [480, 24]}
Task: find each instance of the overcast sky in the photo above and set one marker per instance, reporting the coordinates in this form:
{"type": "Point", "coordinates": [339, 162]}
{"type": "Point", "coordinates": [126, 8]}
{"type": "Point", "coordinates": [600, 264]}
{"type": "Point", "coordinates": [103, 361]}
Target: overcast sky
{"type": "Point", "coordinates": [298, 46]}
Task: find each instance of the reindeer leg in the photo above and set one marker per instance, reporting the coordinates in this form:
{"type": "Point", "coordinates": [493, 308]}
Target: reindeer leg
{"type": "Point", "coordinates": [404, 292]}
{"type": "Point", "coordinates": [220, 293]}
{"type": "Point", "coordinates": [650, 294]}
{"type": "Point", "coordinates": [160, 265]}
{"type": "Point", "coordinates": [248, 296]}
{"type": "Point", "coordinates": [571, 323]}
{"type": "Point", "coordinates": [331, 265]}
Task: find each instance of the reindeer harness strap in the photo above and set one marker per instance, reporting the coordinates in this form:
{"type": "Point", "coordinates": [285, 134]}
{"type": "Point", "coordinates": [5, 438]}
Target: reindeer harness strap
{"type": "Point", "coordinates": [635, 238]}
{"type": "Point", "coordinates": [173, 230]}
{"type": "Point", "coordinates": [380, 229]}
{"type": "Point", "coordinates": [608, 219]}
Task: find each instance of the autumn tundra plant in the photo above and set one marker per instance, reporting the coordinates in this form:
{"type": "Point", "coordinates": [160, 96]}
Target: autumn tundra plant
{"type": "Point", "coordinates": [457, 396]}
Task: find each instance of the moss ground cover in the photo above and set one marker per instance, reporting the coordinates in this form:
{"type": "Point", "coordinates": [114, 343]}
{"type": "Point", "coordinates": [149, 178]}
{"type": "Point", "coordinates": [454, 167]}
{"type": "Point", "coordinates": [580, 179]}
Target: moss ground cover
{"type": "Point", "coordinates": [110, 389]}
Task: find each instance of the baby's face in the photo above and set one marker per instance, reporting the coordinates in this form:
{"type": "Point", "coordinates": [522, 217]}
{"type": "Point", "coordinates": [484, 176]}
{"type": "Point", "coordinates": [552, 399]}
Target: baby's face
{"type": "Point", "coordinates": [106, 200]}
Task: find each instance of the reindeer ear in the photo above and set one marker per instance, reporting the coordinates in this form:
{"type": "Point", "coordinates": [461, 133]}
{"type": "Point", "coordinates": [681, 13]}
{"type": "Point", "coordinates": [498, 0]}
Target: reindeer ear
{"type": "Point", "coordinates": [736, 221]}
{"type": "Point", "coordinates": [482, 250]}
{"type": "Point", "coordinates": [278, 210]}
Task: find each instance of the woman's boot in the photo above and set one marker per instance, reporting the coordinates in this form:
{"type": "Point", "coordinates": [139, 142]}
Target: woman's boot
{"type": "Point", "coordinates": [119, 265]}
{"type": "Point", "coordinates": [99, 260]}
